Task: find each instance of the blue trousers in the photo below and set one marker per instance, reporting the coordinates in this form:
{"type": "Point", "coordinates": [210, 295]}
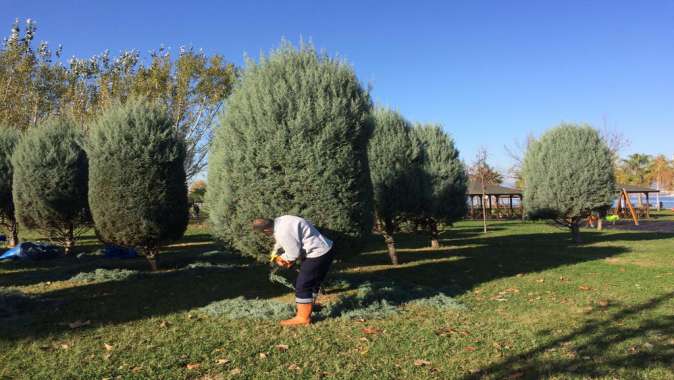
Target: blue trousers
{"type": "Point", "coordinates": [312, 273]}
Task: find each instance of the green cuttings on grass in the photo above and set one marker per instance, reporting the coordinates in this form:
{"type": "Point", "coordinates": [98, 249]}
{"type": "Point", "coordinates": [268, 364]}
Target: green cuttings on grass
{"type": "Point", "coordinates": [438, 301]}
{"type": "Point", "coordinates": [214, 253]}
{"type": "Point", "coordinates": [369, 300]}
{"type": "Point", "coordinates": [380, 299]}
{"type": "Point", "coordinates": [207, 265]}
{"type": "Point", "coordinates": [279, 279]}
{"type": "Point", "coordinates": [241, 308]}
{"type": "Point", "coordinates": [101, 275]}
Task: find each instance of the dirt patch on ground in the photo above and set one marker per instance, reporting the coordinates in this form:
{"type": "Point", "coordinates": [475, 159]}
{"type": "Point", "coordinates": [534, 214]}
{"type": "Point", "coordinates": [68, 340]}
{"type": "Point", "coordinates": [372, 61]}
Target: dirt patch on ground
{"type": "Point", "coordinates": [644, 225]}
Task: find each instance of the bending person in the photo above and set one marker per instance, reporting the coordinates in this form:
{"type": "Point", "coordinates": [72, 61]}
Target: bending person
{"type": "Point", "coordinates": [300, 239]}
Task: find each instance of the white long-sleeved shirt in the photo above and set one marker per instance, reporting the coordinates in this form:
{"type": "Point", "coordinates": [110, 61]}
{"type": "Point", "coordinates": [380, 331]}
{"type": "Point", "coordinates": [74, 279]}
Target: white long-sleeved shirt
{"type": "Point", "coordinates": [298, 238]}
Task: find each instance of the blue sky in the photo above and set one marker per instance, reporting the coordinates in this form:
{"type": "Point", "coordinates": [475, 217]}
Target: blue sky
{"type": "Point", "coordinates": [489, 71]}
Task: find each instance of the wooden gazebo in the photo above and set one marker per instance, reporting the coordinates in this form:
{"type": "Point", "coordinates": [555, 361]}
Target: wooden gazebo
{"type": "Point", "coordinates": [494, 195]}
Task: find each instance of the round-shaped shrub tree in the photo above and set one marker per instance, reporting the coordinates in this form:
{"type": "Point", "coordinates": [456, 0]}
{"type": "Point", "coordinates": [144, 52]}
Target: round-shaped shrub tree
{"type": "Point", "coordinates": [137, 185]}
{"type": "Point", "coordinates": [293, 140]}
{"type": "Point", "coordinates": [568, 174]}
{"type": "Point", "coordinates": [8, 140]}
{"type": "Point", "coordinates": [50, 181]}
{"type": "Point", "coordinates": [393, 158]}
{"type": "Point", "coordinates": [442, 179]}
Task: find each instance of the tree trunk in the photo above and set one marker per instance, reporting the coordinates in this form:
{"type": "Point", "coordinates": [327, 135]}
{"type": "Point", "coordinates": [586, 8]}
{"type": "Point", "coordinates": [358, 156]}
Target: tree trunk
{"type": "Point", "coordinates": [69, 241]}
{"type": "Point", "coordinates": [391, 247]}
{"type": "Point", "coordinates": [600, 223]}
{"type": "Point", "coordinates": [433, 229]}
{"type": "Point", "coordinates": [484, 213]}
{"type": "Point", "coordinates": [657, 198]}
{"type": "Point", "coordinates": [13, 238]}
{"type": "Point", "coordinates": [151, 256]}
{"type": "Point", "coordinates": [575, 232]}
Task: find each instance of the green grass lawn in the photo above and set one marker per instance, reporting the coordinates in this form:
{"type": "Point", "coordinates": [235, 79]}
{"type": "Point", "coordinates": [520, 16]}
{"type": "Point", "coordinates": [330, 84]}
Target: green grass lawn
{"type": "Point", "coordinates": [535, 306]}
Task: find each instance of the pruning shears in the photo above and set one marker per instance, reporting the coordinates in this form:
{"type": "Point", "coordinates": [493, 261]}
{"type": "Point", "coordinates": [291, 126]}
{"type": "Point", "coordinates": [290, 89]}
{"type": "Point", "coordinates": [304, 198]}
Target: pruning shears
{"type": "Point", "coordinates": [272, 256]}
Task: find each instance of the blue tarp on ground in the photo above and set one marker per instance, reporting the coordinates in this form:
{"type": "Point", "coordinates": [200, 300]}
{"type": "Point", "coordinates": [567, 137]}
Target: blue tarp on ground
{"type": "Point", "coordinates": [31, 251]}
{"type": "Point", "coordinates": [117, 252]}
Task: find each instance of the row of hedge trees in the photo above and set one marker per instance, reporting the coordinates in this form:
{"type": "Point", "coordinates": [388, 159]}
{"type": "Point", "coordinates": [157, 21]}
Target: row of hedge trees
{"type": "Point", "coordinates": [300, 136]}
{"type": "Point", "coordinates": [126, 177]}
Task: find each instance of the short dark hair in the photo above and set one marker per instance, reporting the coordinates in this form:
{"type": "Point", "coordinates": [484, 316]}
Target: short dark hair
{"type": "Point", "coordinates": [261, 224]}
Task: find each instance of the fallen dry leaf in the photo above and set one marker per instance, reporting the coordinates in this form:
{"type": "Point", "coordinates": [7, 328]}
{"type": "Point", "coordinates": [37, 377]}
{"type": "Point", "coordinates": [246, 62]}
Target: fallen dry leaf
{"type": "Point", "coordinates": [164, 324]}
{"type": "Point", "coordinates": [136, 369]}
{"type": "Point", "coordinates": [421, 362]}
{"type": "Point", "coordinates": [371, 330]}
{"type": "Point", "coordinates": [221, 361]}
{"type": "Point", "coordinates": [294, 367]}
{"type": "Point", "coordinates": [263, 355]}
{"type": "Point", "coordinates": [65, 346]}
{"type": "Point", "coordinates": [541, 280]}
{"type": "Point", "coordinates": [470, 348]}
{"type": "Point", "coordinates": [584, 287]}
{"type": "Point", "coordinates": [212, 377]}
{"type": "Point", "coordinates": [77, 324]}
{"type": "Point", "coordinates": [235, 371]}
{"type": "Point", "coordinates": [108, 347]}
{"type": "Point", "coordinates": [193, 366]}
{"type": "Point", "coordinates": [603, 303]}
{"type": "Point", "coordinates": [281, 347]}
{"type": "Point", "coordinates": [449, 331]}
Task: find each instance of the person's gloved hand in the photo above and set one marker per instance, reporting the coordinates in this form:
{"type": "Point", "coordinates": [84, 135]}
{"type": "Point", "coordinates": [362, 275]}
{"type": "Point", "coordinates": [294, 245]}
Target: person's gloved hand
{"type": "Point", "coordinates": [280, 261]}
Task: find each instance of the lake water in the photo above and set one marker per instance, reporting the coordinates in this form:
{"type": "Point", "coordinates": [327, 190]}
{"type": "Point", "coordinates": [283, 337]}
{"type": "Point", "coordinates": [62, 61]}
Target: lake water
{"type": "Point", "coordinates": [667, 201]}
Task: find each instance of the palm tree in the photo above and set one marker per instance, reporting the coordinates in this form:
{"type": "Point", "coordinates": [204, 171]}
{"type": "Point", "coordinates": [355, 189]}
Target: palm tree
{"type": "Point", "coordinates": [661, 172]}
{"type": "Point", "coordinates": [635, 169]}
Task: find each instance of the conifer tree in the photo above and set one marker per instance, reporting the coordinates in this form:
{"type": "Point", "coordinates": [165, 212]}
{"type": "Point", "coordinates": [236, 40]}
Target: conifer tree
{"type": "Point", "coordinates": [293, 140]}
{"type": "Point", "coordinates": [8, 140]}
{"type": "Point", "coordinates": [393, 158]}
{"type": "Point", "coordinates": [137, 183]}
{"type": "Point", "coordinates": [50, 181]}
{"type": "Point", "coordinates": [568, 174]}
{"type": "Point", "coordinates": [442, 178]}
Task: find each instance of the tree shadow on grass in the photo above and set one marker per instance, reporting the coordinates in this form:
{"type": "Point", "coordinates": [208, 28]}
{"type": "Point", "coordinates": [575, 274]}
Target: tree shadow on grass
{"type": "Point", "coordinates": [144, 296]}
{"type": "Point", "coordinates": [451, 270]}
{"type": "Point", "coordinates": [458, 270]}
{"type": "Point", "coordinates": [25, 273]}
{"type": "Point", "coordinates": [476, 260]}
{"type": "Point", "coordinates": [600, 348]}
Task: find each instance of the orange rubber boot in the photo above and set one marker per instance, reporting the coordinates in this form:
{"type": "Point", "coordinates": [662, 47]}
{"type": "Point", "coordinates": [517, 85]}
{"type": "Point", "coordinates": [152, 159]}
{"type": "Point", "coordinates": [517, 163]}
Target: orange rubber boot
{"type": "Point", "coordinates": [302, 318]}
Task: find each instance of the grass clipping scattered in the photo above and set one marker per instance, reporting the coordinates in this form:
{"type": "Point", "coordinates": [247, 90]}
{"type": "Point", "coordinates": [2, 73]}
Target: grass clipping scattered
{"type": "Point", "coordinates": [369, 300]}
{"type": "Point", "coordinates": [102, 275]}
{"type": "Point", "coordinates": [208, 265]}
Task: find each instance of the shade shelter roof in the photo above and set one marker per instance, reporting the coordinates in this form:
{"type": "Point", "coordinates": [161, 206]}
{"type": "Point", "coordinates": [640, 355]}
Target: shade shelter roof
{"type": "Point", "coordinates": [633, 189]}
{"type": "Point", "coordinates": [474, 188]}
